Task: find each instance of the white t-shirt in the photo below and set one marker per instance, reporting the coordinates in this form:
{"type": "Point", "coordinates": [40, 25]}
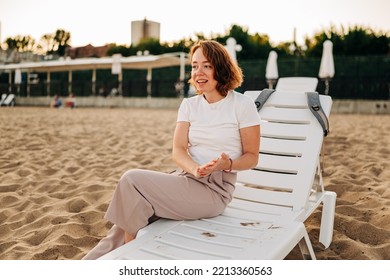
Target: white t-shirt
{"type": "Point", "coordinates": [214, 128]}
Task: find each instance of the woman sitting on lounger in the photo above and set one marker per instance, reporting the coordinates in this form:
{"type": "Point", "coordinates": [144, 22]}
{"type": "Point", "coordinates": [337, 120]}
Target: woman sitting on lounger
{"type": "Point", "coordinates": [217, 133]}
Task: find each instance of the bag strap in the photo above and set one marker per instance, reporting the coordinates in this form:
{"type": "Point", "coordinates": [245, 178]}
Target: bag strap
{"type": "Point", "coordinates": [262, 98]}
{"type": "Point", "coordinates": [313, 100]}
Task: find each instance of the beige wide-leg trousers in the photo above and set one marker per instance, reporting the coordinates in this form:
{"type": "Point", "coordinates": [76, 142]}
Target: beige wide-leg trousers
{"type": "Point", "coordinates": [142, 195]}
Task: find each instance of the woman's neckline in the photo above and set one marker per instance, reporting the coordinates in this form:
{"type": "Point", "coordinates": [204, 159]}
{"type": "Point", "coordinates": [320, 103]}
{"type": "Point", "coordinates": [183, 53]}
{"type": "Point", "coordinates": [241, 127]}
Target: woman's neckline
{"type": "Point", "coordinates": [215, 102]}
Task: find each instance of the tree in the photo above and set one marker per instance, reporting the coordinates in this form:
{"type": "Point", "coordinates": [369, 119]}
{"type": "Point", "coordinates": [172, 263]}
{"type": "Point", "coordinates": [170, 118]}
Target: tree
{"type": "Point", "coordinates": [12, 43]}
{"type": "Point", "coordinates": [363, 41]}
{"type": "Point", "coordinates": [46, 44]}
{"type": "Point", "coordinates": [355, 41]}
{"type": "Point", "coordinates": [61, 40]}
{"type": "Point", "coordinates": [121, 49]}
{"type": "Point", "coordinates": [21, 43]}
{"type": "Point", "coordinates": [152, 45]}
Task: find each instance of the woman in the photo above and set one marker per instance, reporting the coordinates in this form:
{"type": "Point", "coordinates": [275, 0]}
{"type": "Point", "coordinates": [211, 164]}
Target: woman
{"type": "Point", "coordinates": [217, 133]}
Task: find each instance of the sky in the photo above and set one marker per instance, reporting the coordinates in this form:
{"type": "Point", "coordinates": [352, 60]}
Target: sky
{"type": "Point", "coordinates": [99, 22]}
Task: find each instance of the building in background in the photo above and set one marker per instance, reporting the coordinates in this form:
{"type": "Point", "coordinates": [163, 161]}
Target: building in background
{"type": "Point", "coordinates": [144, 29]}
{"type": "Point", "coordinates": [87, 51]}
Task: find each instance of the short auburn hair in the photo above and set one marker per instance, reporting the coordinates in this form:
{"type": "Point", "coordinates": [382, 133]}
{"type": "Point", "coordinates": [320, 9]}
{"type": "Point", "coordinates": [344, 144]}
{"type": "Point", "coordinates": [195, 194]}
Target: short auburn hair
{"type": "Point", "coordinates": [226, 71]}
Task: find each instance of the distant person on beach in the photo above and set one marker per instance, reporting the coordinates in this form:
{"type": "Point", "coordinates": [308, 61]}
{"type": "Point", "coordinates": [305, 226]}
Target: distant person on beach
{"type": "Point", "coordinates": [56, 102]}
{"type": "Point", "coordinates": [217, 133]}
{"type": "Point", "coordinates": [102, 91]}
{"type": "Point", "coordinates": [114, 92]}
{"type": "Point", "coordinates": [70, 101]}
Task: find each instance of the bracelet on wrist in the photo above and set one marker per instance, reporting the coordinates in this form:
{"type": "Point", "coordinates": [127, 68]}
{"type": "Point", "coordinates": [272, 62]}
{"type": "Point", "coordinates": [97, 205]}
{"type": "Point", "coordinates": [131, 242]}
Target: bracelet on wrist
{"type": "Point", "coordinates": [230, 167]}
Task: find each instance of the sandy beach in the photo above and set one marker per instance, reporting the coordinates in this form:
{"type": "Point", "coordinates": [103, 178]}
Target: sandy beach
{"type": "Point", "coordinates": [59, 167]}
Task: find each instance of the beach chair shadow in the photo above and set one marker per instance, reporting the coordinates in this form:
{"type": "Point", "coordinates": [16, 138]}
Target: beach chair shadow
{"type": "Point", "coordinates": [265, 219]}
{"type": "Point", "coordinates": [296, 84]}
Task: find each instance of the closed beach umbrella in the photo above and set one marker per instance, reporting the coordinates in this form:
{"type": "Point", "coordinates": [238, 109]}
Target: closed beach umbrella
{"type": "Point", "coordinates": [18, 76]}
{"type": "Point", "coordinates": [271, 70]}
{"type": "Point", "coordinates": [232, 47]}
{"type": "Point", "coordinates": [116, 67]}
{"type": "Point", "coordinates": [327, 64]}
{"type": "Point", "coordinates": [18, 80]}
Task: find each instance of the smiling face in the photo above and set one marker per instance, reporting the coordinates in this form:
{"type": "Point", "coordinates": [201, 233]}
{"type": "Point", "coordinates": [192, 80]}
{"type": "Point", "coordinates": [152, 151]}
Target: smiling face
{"type": "Point", "coordinates": [203, 73]}
{"type": "Point", "coordinates": [214, 73]}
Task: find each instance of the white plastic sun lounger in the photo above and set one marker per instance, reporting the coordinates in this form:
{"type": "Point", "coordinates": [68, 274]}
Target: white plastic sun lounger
{"type": "Point", "coordinates": [9, 100]}
{"type": "Point", "coordinates": [302, 85]}
{"type": "Point", "coordinates": [271, 202]}
{"type": "Point", "coordinates": [291, 140]}
{"type": "Point", "coordinates": [297, 84]}
{"type": "Point", "coordinates": [3, 97]}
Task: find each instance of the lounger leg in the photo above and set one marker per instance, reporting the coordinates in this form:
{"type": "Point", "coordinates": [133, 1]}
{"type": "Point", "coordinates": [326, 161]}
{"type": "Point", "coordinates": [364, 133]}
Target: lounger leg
{"type": "Point", "coordinates": [318, 184]}
{"type": "Point", "coordinates": [306, 248]}
{"type": "Point", "coordinates": [327, 218]}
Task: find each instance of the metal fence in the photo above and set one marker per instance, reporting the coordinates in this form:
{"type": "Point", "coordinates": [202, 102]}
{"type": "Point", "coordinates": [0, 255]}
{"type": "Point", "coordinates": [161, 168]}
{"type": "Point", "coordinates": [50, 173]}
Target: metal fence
{"type": "Point", "coordinates": [355, 78]}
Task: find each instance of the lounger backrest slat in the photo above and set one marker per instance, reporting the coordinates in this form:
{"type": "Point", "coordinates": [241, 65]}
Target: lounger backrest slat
{"type": "Point", "coordinates": [296, 84]}
{"type": "Point", "coordinates": [290, 144]}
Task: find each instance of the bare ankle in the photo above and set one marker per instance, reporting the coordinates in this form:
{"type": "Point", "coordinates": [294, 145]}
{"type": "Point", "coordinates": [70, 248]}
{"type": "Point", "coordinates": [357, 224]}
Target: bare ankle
{"type": "Point", "coordinates": [128, 237]}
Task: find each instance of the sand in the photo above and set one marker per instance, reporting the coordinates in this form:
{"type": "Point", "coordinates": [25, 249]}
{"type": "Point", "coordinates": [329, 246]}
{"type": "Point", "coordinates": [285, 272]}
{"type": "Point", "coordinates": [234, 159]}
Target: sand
{"type": "Point", "coordinates": [59, 167]}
